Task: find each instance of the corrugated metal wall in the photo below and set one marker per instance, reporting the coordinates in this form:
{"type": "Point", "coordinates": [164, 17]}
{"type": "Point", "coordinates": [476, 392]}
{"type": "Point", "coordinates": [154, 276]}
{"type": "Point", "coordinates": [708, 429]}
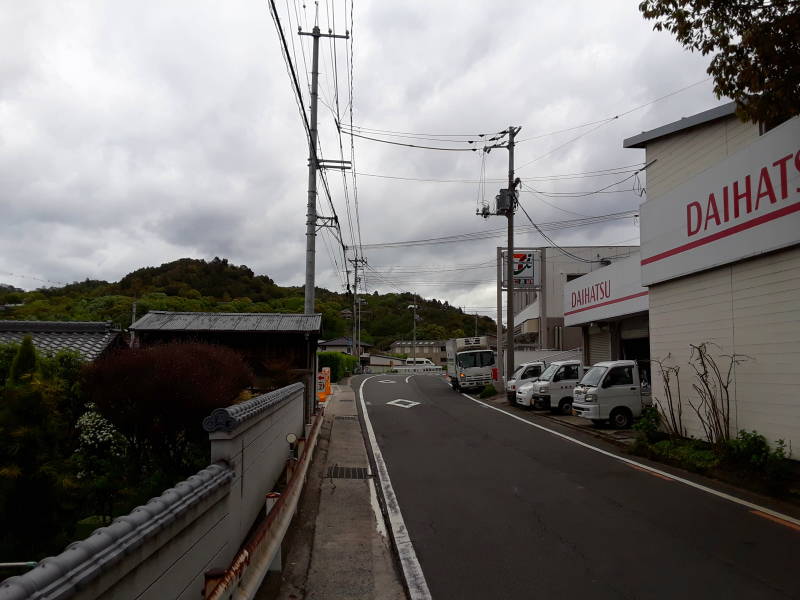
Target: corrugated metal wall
{"type": "Point", "coordinates": [599, 345]}
{"type": "Point", "coordinates": [750, 308]}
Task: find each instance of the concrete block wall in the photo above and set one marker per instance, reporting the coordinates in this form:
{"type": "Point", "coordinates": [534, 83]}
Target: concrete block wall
{"type": "Point", "coordinates": [164, 548]}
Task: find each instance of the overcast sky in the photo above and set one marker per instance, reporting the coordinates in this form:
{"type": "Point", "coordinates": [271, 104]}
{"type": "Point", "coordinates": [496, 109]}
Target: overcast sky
{"type": "Point", "coordinates": [136, 133]}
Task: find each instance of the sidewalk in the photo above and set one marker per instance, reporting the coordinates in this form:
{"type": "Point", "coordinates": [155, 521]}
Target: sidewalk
{"type": "Point", "coordinates": [340, 548]}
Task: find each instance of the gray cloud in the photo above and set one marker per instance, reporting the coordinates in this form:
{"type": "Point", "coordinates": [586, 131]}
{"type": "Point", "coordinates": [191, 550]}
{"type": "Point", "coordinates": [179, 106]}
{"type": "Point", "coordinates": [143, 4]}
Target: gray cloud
{"type": "Point", "coordinates": [131, 135]}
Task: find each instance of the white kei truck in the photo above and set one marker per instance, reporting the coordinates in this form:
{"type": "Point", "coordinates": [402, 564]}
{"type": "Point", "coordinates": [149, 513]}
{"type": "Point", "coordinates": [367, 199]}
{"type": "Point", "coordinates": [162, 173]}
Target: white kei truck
{"type": "Point", "coordinates": [471, 364]}
{"type": "Point", "coordinates": [553, 389]}
{"type": "Point", "coordinates": [613, 391]}
{"type": "Point", "coordinates": [525, 373]}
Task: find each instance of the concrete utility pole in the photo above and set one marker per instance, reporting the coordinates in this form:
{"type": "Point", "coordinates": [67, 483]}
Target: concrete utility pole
{"type": "Point", "coordinates": [413, 307]}
{"type": "Point", "coordinates": [506, 205]}
{"type": "Point", "coordinates": [354, 342]}
{"type": "Point", "coordinates": [313, 165]}
{"type": "Point", "coordinates": [512, 132]}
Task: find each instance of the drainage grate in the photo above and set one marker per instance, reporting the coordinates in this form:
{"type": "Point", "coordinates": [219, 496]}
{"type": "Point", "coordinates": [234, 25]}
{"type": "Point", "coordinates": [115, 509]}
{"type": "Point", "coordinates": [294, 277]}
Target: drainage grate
{"type": "Point", "coordinates": [346, 418]}
{"type": "Point", "coordinates": [337, 472]}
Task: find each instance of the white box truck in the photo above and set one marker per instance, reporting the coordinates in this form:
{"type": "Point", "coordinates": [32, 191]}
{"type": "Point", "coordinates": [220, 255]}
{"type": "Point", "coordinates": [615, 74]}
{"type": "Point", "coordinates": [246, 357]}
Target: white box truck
{"type": "Point", "coordinates": [553, 389]}
{"type": "Point", "coordinates": [613, 391]}
{"type": "Point", "coordinates": [471, 364]}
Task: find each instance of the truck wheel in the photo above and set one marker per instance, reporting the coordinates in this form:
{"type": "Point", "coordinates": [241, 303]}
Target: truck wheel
{"type": "Point", "coordinates": [620, 418]}
{"type": "Point", "coordinates": [565, 406]}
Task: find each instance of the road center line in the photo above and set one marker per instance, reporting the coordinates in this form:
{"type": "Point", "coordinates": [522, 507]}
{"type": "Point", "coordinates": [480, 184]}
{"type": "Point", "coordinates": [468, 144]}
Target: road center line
{"type": "Point", "coordinates": [651, 470]}
{"type": "Point", "coordinates": [412, 571]}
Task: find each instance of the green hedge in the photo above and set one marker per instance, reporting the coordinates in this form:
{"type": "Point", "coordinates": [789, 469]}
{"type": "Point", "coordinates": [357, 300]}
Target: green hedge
{"type": "Point", "coordinates": [341, 364]}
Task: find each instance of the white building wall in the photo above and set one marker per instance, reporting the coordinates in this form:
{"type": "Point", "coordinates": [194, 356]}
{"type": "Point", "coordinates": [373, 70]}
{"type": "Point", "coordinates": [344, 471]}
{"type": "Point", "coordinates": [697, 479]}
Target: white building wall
{"type": "Point", "coordinates": [559, 266]}
{"type": "Point", "coordinates": [766, 313]}
{"type": "Point", "coordinates": [749, 308]}
{"type": "Point", "coordinates": [683, 155]}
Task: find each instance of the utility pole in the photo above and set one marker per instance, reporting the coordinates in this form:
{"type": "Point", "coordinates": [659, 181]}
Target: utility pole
{"type": "Point", "coordinates": [313, 165]}
{"type": "Point", "coordinates": [355, 345]}
{"type": "Point", "coordinates": [512, 205]}
{"type": "Point", "coordinates": [506, 205]}
{"type": "Point", "coordinates": [414, 341]}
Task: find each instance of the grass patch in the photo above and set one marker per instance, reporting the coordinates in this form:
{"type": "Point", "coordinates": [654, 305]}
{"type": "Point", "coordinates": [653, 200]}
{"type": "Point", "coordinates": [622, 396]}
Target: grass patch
{"type": "Point", "coordinates": [488, 392]}
{"type": "Point", "coordinates": [747, 460]}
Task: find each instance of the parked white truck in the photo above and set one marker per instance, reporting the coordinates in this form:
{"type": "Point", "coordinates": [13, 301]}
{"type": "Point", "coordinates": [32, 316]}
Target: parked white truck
{"type": "Point", "coordinates": [613, 391]}
{"type": "Point", "coordinates": [471, 364]}
{"type": "Point", "coordinates": [553, 388]}
{"type": "Point", "coordinates": [525, 373]}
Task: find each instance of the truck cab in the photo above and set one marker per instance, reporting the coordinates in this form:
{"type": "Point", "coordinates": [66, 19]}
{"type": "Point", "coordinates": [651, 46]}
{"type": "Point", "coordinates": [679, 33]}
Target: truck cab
{"type": "Point", "coordinates": [553, 388]}
{"type": "Point", "coordinates": [613, 391]}
{"type": "Point", "coordinates": [526, 372]}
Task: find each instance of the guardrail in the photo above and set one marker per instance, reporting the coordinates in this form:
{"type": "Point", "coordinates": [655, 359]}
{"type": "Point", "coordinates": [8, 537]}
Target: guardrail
{"type": "Point", "coordinates": [427, 369]}
{"type": "Point", "coordinates": [166, 548]}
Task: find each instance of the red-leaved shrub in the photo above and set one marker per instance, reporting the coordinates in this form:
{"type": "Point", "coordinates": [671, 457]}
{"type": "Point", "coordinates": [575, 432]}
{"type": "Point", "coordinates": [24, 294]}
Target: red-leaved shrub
{"type": "Point", "coordinates": [158, 396]}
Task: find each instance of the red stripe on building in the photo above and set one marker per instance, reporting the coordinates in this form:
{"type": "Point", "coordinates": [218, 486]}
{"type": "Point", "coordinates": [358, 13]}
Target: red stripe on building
{"type": "Point", "coordinates": [577, 310]}
{"type": "Point", "coordinates": [786, 210]}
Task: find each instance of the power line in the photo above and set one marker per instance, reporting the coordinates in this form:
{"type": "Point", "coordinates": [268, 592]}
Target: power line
{"type": "Point", "coordinates": [480, 235]}
{"type": "Point", "coordinates": [365, 137]}
{"type": "Point", "coordinates": [621, 170]}
{"type": "Point", "coordinates": [374, 131]}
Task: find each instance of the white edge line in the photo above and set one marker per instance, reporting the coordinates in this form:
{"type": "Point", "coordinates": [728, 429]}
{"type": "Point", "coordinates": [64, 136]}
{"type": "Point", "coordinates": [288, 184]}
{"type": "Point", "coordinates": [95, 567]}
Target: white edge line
{"type": "Point", "coordinates": [412, 571]}
{"type": "Point", "coordinates": [628, 461]}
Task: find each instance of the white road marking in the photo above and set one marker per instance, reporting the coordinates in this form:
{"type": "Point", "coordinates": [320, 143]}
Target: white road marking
{"type": "Point", "coordinates": [652, 470]}
{"type": "Point", "coordinates": [409, 377]}
{"type": "Point", "coordinates": [412, 571]}
{"type": "Point", "coordinates": [386, 381]}
{"type": "Point", "coordinates": [403, 403]}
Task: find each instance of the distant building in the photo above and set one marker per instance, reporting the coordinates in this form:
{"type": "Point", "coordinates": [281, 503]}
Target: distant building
{"type": "Point", "coordinates": [91, 339]}
{"type": "Point", "coordinates": [341, 344]}
{"type": "Point", "coordinates": [432, 349]}
{"type": "Point", "coordinates": [539, 315]}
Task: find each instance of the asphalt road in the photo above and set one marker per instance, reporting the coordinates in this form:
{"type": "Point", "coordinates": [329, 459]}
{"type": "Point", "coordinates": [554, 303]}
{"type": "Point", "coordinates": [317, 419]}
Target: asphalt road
{"type": "Point", "coordinates": [498, 509]}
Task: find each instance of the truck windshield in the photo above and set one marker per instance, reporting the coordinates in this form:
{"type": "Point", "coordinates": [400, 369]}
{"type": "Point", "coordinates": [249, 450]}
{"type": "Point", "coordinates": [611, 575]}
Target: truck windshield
{"type": "Point", "coordinates": [547, 375]}
{"type": "Point", "coordinates": [593, 376]}
{"type": "Point", "coordinates": [468, 360]}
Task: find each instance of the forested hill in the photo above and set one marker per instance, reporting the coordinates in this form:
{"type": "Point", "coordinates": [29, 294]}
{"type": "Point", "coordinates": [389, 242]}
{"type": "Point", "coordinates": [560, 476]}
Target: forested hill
{"type": "Point", "coordinates": [197, 285]}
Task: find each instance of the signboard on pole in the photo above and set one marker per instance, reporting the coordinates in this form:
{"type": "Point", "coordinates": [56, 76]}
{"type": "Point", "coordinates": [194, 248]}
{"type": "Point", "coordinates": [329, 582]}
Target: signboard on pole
{"type": "Point", "coordinates": [526, 275]}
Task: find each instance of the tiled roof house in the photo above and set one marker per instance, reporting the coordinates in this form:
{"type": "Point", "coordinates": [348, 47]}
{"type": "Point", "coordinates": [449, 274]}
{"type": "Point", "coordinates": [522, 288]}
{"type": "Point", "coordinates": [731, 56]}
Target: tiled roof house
{"type": "Point", "coordinates": [90, 338]}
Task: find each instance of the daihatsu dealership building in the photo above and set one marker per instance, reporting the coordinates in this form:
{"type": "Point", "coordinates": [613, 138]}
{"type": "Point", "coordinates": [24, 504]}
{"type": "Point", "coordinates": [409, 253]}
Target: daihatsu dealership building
{"type": "Point", "coordinates": [720, 258]}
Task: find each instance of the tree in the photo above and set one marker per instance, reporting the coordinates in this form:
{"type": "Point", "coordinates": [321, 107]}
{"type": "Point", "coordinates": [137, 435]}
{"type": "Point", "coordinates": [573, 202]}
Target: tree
{"type": "Point", "coordinates": [157, 398]}
{"type": "Point", "coordinates": [24, 362]}
{"type": "Point", "coordinates": [756, 47]}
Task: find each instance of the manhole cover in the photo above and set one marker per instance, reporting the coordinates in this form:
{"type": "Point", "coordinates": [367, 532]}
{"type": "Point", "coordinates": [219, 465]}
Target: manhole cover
{"type": "Point", "coordinates": [338, 472]}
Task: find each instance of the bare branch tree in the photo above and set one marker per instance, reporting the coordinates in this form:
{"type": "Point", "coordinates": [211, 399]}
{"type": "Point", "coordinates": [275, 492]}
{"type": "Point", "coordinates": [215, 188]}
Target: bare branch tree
{"type": "Point", "coordinates": [672, 409]}
{"type": "Point", "coordinates": [713, 407]}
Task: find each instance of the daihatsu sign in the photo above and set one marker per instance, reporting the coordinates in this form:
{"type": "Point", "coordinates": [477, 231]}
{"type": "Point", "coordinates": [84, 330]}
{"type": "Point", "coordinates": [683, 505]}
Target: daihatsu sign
{"type": "Point", "coordinates": [613, 291]}
{"type": "Point", "coordinates": [747, 205]}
